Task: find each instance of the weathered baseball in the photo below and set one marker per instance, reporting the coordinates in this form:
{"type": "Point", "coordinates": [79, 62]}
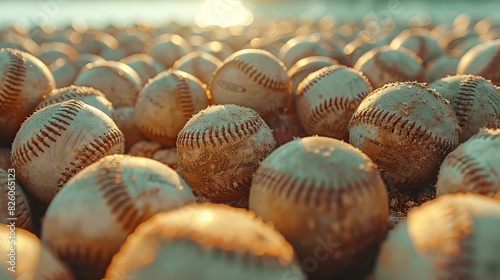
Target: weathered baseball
{"type": "Point", "coordinates": [476, 102]}
{"type": "Point", "coordinates": [221, 242]}
{"type": "Point", "coordinates": [483, 60]}
{"type": "Point", "coordinates": [56, 142]}
{"type": "Point", "coordinates": [455, 236]}
{"type": "Point", "coordinates": [146, 66]}
{"type": "Point", "coordinates": [124, 119]}
{"type": "Point", "coordinates": [24, 79]}
{"type": "Point", "coordinates": [30, 259]}
{"type": "Point", "coordinates": [419, 41]}
{"type": "Point", "coordinates": [327, 98]}
{"type": "Point", "coordinates": [15, 205]}
{"type": "Point", "coordinates": [406, 129]}
{"type": "Point", "coordinates": [97, 209]}
{"type": "Point", "coordinates": [200, 64]}
{"type": "Point", "coordinates": [86, 58]}
{"type": "Point", "coordinates": [252, 78]}
{"type": "Point", "coordinates": [473, 167]}
{"type": "Point", "coordinates": [384, 65]}
{"type": "Point", "coordinates": [357, 48]}
{"type": "Point", "coordinates": [118, 81]}
{"type": "Point", "coordinates": [88, 95]}
{"type": "Point", "coordinates": [166, 103]}
{"type": "Point", "coordinates": [329, 201]}
{"type": "Point", "coordinates": [168, 48]}
{"type": "Point", "coordinates": [300, 47]}
{"type": "Point", "coordinates": [302, 69]}
{"type": "Point", "coordinates": [220, 148]}
{"type": "Point", "coordinates": [14, 40]}
{"type": "Point", "coordinates": [52, 51]}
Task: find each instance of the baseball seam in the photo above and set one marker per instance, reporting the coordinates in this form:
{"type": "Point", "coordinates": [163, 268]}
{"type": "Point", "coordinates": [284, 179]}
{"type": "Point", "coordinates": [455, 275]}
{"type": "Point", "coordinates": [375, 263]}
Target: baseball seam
{"type": "Point", "coordinates": [396, 73]}
{"type": "Point", "coordinates": [23, 211]}
{"type": "Point", "coordinates": [465, 99]}
{"type": "Point", "coordinates": [52, 130]}
{"type": "Point", "coordinates": [118, 199]}
{"type": "Point", "coordinates": [72, 93]}
{"type": "Point", "coordinates": [184, 95]}
{"type": "Point", "coordinates": [284, 183]}
{"type": "Point", "coordinates": [407, 128]}
{"type": "Point", "coordinates": [258, 76]}
{"type": "Point", "coordinates": [219, 136]}
{"type": "Point", "coordinates": [13, 82]}
{"type": "Point", "coordinates": [80, 257]}
{"type": "Point", "coordinates": [98, 148]}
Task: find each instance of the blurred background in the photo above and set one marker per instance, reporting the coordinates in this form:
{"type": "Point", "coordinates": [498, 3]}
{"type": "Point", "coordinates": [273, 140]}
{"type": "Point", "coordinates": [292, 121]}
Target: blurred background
{"type": "Point", "coordinates": [228, 12]}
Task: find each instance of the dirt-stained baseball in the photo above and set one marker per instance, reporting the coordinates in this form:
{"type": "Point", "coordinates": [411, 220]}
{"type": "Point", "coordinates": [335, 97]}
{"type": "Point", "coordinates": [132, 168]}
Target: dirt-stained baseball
{"type": "Point", "coordinates": [301, 47]}
{"type": "Point", "coordinates": [220, 148]}
{"type": "Point", "coordinates": [118, 81]}
{"type": "Point", "coordinates": [407, 129]}
{"type": "Point", "coordinates": [476, 102]}
{"type": "Point", "coordinates": [252, 78]}
{"type": "Point", "coordinates": [327, 98]}
{"type": "Point", "coordinates": [473, 167]}
{"type": "Point", "coordinates": [220, 241]}
{"type": "Point", "coordinates": [56, 142]}
{"type": "Point", "coordinates": [384, 65]}
{"type": "Point", "coordinates": [24, 80]}
{"type": "Point", "coordinates": [166, 103]}
{"type": "Point", "coordinates": [97, 209]}
{"type": "Point", "coordinates": [168, 48]}
{"type": "Point", "coordinates": [329, 202]}
{"type": "Point", "coordinates": [88, 95]}
{"type": "Point", "coordinates": [455, 236]}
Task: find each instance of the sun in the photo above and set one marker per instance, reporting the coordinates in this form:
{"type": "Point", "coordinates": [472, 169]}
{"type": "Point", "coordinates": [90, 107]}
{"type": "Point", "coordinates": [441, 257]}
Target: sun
{"type": "Point", "coordinates": [223, 13]}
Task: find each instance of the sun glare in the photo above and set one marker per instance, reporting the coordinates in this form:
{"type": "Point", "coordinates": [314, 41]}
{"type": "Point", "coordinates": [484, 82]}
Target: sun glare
{"type": "Point", "coordinates": [223, 13]}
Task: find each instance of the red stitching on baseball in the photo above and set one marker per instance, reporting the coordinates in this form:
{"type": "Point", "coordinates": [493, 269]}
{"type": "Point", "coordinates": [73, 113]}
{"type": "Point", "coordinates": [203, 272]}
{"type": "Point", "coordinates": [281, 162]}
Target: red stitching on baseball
{"type": "Point", "coordinates": [214, 136]}
{"type": "Point", "coordinates": [407, 128]}
{"type": "Point", "coordinates": [465, 99]}
{"type": "Point", "coordinates": [14, 75]}
{"type": "Point", "coordinates": [255, 74]}
{"type": "Point", "coordinates": [184, 95]}
{"type": "Point", "coordinates": [98, 148]}
{"type": "Point", "coordinates": [80, 258]}
{"type": "Point", "coordinates": [65, 94]}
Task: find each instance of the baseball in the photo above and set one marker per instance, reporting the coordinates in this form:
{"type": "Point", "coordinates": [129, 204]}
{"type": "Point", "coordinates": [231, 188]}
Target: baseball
{"type": "Point", "coordinates": [221, 242]}
{"type": "Point", "coordinates": [172, 44]}
{"type": "Point", "coordinates": [455, 236]}
{"type": "Point", "coordinates": [473, 167]}
{"type": "Point", "coordinates": [300, 47]}
{"type": "Point", "coordinates": [88, 95]}
{"type": "Point", "coordinates": [327, 98]}
{"type": "Point", "coordinates": [91, 217]}
{"type": "Point", "coordinates": [476, 102]}
{"type": "Point", "coordinates": [219, 149]}
{"type": "Point", "coordinates": [200, 64]}
{"type": "Point", "coordinates": [419, 41]}
{"type": "Point", "coordinates": [146, 66]}
{"type": "Point", "coordinates": [118, 81]}
{"type": "Point", "coordinates": [484, 60]}
{"type": "Point", "coordinates": [384, 65]}
{"type": "Point", "coordinates": [441, 67]}
{"type": "Point", "coordinates": [24, 80]}
{"type": "Point", "coordinates": [252, 78]}
{"type": "Point", "coordinates": [56, 142]}
{"type": "Point", "coordinates": [14, 203]}
{"type": "Point", "coordinates": [30, 259]}
{"type": "Point", "coordinates": [64, 72]}
{"type": "Point", "coordinates": [145, 148]}
{"type": "Point", "coordinates": [407, 129]}
{"type": "Point", "coordinates": [52, 51]}
{"type": "Point", "coordinates": [166, 103]}
{"type": "Point", "coordinates": [331, 197]}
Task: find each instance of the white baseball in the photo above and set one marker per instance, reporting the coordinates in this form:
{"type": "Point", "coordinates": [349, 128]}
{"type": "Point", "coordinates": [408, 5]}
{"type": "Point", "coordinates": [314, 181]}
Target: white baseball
{"type": "Point", "coordinates": [56, 142]}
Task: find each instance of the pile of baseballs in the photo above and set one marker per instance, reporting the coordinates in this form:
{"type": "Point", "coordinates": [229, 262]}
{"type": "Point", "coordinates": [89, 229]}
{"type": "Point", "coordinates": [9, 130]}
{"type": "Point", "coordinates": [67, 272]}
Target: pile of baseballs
{"type": "Point", "coordinates": [287, 149]}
